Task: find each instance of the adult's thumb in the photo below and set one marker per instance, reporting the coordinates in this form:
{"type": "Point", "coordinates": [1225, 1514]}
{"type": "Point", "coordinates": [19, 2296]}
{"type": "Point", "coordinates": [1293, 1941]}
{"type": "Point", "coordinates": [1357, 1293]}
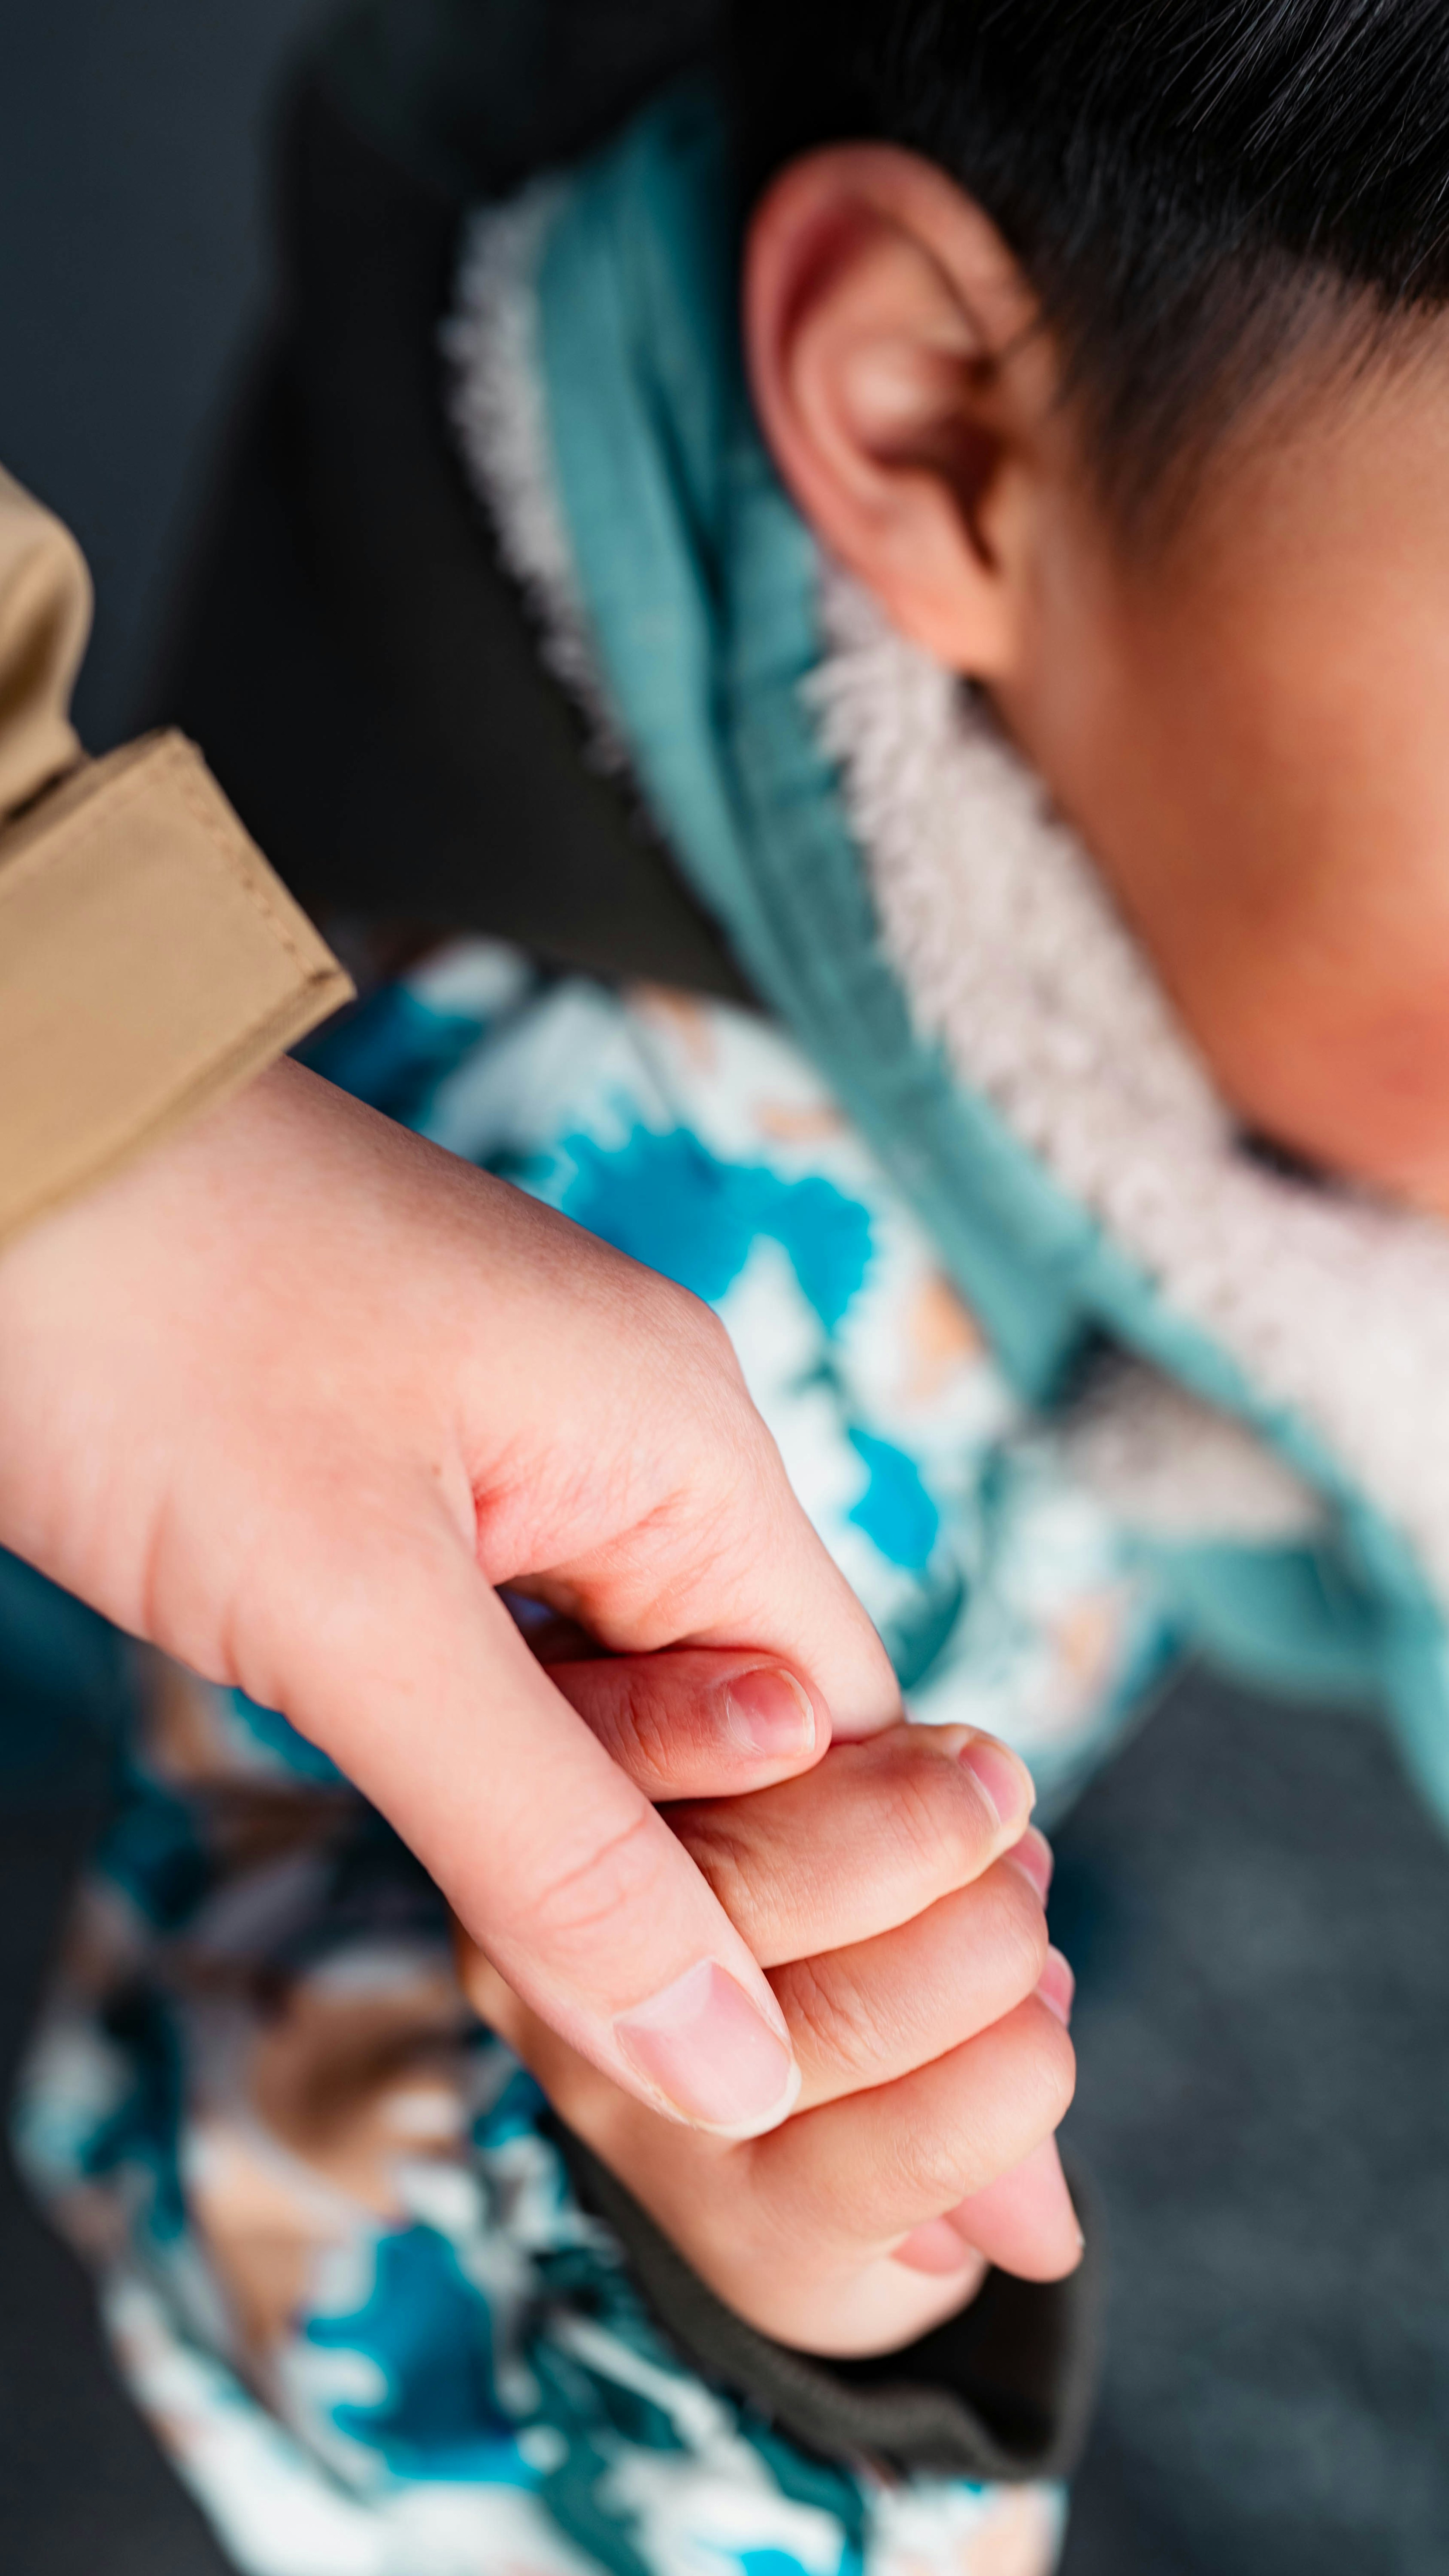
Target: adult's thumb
{"type": "Point", "coordinates": [418, 1684]}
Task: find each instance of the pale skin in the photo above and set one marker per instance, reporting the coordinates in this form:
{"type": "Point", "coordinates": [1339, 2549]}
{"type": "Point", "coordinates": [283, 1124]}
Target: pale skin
{"type": "Point", "coordinates": [1243, 715]}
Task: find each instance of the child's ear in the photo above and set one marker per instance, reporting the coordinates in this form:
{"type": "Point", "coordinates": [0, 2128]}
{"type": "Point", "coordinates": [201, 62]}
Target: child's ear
{"type": "Point", "coordinates": [905, 392]}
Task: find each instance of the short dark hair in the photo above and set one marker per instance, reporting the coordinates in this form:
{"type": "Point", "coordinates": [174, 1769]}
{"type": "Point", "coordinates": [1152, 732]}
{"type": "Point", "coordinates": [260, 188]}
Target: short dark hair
{"type": "Point", "coordinates": [1192, 187]}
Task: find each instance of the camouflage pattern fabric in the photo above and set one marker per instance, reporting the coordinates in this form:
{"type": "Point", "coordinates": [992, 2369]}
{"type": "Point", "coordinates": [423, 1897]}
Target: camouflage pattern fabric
{"type": "Point", "coordinates": [340, 2261]}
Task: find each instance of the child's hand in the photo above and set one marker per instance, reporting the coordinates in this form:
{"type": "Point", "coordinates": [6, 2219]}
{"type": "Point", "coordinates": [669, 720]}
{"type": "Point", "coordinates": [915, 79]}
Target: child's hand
{"type": "Point", "coordinates": [909, 1954]}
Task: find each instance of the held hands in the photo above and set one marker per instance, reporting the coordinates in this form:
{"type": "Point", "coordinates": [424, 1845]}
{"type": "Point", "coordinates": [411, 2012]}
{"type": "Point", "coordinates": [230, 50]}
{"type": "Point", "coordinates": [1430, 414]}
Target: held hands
{"type": "Point", "coordinates": [290, 1397]}
{"type": "Point", "coordinates": [295, 1392]}
{"type": "Point", "coordinates": [895, 1896]}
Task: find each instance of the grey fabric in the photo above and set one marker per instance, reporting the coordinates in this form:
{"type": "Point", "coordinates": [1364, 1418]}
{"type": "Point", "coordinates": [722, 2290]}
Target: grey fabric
{"type": "Point", "coordinates": [1002, 2391]}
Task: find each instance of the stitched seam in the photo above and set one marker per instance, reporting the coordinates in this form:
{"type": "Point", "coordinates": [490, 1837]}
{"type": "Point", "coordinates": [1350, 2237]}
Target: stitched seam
{"type": "Point", "coordinates": [173, 760]}
{"type": "Point", "coordinates": [234, 854]}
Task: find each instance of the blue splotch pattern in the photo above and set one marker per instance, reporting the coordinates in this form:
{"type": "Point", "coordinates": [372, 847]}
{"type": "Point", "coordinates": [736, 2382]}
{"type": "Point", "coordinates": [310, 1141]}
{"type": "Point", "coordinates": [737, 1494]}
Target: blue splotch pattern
{"type": "Point", "coordinates": [471, 2370]}
{"type": "Point", "coordinates": [669, 1202]}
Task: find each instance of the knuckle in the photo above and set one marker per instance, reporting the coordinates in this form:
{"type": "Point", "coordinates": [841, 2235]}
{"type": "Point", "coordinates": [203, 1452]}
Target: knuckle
{"type": "Point", "coordinates": [821, 2005]}
{"type": "Point", "coordinates": [1040, 2067]}
{"type": "Point", "coordinates": [1019, 1928]}
{"type": "Point", "coordinates": [1035, 2063]}
{"type": "Point", "coordinates": [930, 2163]}
{"type": "Point", "coordinates": [713, 1340]}
{"type": "Point", "coordinates": [937, 1820]}
{"type": "Point", "coordinates": [590, 1892]}
{"type": "Point", "coordinates": [1019, 2092]}
{"type": "Point", "coordinates": [694, 1332]}
{"type": "Point", "coordinates": [645, 1728]}
{"type": "Point", "coordinates": [1055, 2062]}
{"type": "Point", "coordinates": [720, 1855]}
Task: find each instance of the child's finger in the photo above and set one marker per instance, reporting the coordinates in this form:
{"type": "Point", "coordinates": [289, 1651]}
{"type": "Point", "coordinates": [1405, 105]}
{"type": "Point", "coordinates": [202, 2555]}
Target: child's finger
{"type": "Point", "coordinates": [875, 1835]}
{"type": "Point", "coordinates": [1014, 2221]}
{"type": "Point", "coordinates": [695, 1723]}
{"type": "Point", "coordinates": [865, 2171]}
{"type": "Point", "coordinates": [864, 2016]}
{"type": "Point", "coordinates": [556, 1864]}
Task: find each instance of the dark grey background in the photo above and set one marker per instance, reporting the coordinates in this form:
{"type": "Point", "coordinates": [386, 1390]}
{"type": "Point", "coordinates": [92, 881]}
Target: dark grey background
{"type": "Point", "coordinates": [1258, 1913]}
{"type": "Point", "coordinates": [131, 260]}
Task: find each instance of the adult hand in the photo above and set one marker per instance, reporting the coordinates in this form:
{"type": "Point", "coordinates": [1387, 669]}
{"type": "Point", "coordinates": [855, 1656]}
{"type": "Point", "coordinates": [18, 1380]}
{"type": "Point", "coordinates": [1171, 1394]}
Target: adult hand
{"type": "Point", "coordinates": [293, 1394]}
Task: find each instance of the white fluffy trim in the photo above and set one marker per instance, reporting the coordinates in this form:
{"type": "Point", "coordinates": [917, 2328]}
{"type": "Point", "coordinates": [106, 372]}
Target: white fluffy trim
{"type": "Point", "coordinates": [1167, 1464]}
{"type": "Point", "coordinates": [490, 341]}
{"type": "Point", "coordinates": [1016, 960]}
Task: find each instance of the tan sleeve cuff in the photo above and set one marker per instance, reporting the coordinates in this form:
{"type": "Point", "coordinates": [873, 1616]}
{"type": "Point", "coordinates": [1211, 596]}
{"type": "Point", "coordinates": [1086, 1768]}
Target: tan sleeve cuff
{"type": "Point", "coordinates": [150, 963]}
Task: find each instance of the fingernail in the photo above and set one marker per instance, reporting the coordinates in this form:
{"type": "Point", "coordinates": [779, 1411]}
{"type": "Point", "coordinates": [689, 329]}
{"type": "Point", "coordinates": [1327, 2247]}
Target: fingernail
{"type": "Point", "coordinates": [1056, 1986]}
{"type": "Point", "coordinates": [1034, 1858]}
{"type": "Point", "coordinates": [1003, 1780]}
{"type": "Point", "coordinates": [705, 2046]}
{"type": "Point", "coordinates": [768, 1711]}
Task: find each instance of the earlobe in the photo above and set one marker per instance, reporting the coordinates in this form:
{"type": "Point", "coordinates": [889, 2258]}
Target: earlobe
{"type": "Point", "coordinates": [878, 301]}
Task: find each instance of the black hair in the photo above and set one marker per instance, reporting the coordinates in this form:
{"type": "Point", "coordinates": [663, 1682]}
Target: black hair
{"type": "Point", "coordinates": [1194, 188]}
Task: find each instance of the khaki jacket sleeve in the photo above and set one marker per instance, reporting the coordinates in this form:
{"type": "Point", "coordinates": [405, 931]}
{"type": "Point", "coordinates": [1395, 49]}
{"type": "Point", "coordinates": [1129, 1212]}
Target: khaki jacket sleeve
{"type": "Point", "coordinates": [150, 961]}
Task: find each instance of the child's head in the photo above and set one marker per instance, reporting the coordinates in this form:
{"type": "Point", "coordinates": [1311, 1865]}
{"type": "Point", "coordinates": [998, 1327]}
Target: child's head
{"type": "Point", "coordinates": [1115, 360]}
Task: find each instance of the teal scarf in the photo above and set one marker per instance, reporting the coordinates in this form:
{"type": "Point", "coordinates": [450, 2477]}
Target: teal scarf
{"type": "Point", "coordinates": [699, 582]}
